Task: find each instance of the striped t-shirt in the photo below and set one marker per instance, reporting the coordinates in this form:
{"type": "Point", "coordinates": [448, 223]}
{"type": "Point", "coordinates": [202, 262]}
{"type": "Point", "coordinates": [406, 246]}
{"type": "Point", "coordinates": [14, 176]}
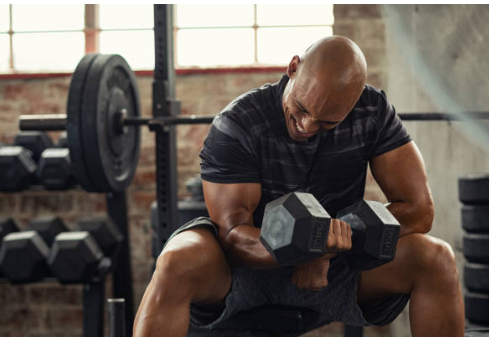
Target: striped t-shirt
{"type": "Point", "coordinates": [248, 142]}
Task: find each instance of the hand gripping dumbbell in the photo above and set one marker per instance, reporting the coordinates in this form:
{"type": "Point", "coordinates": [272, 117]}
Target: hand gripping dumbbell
{"type": "Point", "coordinates": [295, 229]}
{"type": "Point", "coordinates": [80, 256]}
{"type": "Point", "coordinates": [23, 255]}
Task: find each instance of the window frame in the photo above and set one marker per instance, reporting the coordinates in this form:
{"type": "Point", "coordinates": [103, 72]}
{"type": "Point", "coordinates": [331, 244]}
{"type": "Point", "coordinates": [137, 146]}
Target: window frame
{"type": "Point", "coordinates": [92, 32]}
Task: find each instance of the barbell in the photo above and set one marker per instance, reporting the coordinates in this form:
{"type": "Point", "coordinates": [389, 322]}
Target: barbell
{"type": "Point", "coordinates": [103, 113]}
{"type": "Point", "coordinates": [103, 104]}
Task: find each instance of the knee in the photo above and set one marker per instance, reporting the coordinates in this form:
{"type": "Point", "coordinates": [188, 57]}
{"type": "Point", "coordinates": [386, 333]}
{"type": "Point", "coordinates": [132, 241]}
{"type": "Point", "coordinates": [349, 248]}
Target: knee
{"type": "Point", "coordinates": [432, 256]}
{"type": "Point", "coordinates": [185, 259]}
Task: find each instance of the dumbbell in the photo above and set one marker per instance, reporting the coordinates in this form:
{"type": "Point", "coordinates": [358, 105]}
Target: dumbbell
{"type": "Point", "coordinates": [18, 163]}
{"type": "Point", "coordinates": [295, 229]}
{"type": "Point", "coordinates": [79, 256]}
{"type": "Point", "coordinates": [17, 168]}
{"type": "Point", "coordinates": [7, 226]}
{"type": "Point", "coordinates": [54, 169]}
{"type": "Point", "coordinates": [34, 141]}
{"type": "Point", "coordinates": [23, 255]}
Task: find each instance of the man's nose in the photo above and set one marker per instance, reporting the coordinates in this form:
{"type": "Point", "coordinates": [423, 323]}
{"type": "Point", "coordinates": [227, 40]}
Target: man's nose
{"type": "Point", "coordinates": [309, 124]}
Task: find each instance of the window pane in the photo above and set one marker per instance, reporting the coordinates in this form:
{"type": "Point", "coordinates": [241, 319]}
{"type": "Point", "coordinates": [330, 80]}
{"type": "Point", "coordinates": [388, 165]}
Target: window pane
{"type": "Point", "coordinates": [289, 15]}
{"type": "Point", "coordinates": [48, 51]}
{"type": "Point", "coordinates": [47, 17]}
{"type": "Point", "coordinates": [4, 52]}
{"type": "Point", "coordinates": [137, 47]}
{"type": "Point", "coordinates": [279, 45]}
{"type": "Point", "coordinates": [126, 16]}
{"type": "Point", "coordinates": [214, 15]}
{"type": "Point", "coordinates": [4, 18]}
{"type": "Point", "coordinates": [214, 47]}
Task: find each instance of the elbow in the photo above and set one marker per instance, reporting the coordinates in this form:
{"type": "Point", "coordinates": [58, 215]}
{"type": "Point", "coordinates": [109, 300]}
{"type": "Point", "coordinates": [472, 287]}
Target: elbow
{"type": "Point", "coordinates": [226, 239]}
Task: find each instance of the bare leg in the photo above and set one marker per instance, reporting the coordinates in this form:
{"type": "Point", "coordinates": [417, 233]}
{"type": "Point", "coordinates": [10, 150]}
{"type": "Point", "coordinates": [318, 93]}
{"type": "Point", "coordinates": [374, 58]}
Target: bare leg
{"type": "Point", "coordinates": [424, 267]}
{"type": "Point", "coordinates": [191, 269]}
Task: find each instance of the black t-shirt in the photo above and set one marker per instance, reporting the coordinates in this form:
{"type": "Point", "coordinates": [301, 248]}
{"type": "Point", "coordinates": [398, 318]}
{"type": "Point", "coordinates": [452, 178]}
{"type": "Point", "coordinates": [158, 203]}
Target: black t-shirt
{"type": "Point", "coordinates": [248, 142]}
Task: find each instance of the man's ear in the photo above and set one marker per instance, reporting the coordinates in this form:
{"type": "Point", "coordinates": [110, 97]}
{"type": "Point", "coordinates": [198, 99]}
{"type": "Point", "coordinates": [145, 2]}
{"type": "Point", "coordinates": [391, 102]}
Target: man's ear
{"type": "Point", "coordinates": [293, 65]}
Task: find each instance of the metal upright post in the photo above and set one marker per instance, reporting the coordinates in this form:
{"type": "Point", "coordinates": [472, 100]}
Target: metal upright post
{"type": "Point", "coordinates": [164, 104]}
{"type": "Point", "coordinates": [93, 308]}
{"type": "Point", "coordinates": [122, 274]}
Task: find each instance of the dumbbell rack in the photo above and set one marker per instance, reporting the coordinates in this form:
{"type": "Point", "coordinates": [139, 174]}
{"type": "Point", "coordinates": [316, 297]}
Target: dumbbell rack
{"type": "Point", "coordinates": [94, 291]}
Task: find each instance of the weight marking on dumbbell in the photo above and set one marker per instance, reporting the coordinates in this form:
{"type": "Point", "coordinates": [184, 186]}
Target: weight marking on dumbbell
{"type": "Point", "coordinates": [320, 232]}
{"type": "Point", "coordinates": [390, 241]}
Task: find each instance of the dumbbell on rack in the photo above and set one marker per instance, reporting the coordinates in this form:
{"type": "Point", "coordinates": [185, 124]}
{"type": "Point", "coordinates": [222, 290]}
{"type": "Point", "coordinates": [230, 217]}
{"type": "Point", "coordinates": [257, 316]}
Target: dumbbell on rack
{"type": "Point", "coordinates": [7, 226]}
{"type": "Point", "coordinates": [474, 194]}
{"type": "Point", "coordinates": [18, 163]}
{"type": "Point", "coordinates": [80, 256]}
{"type": "Point", "coordinates": [295, 229]}
{"type": "Point", "coordinates": [23, 255]}
{"type": "Point", "coordinates": [54, 169]}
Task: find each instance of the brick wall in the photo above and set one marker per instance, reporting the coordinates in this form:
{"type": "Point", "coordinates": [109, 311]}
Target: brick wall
{"type": "Point", "coordinates": [43, 310]}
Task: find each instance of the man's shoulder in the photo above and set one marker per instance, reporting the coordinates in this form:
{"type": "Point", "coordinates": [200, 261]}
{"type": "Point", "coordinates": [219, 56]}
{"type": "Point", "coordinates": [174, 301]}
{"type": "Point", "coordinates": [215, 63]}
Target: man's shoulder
{"type": "Point", "coordinates": [370, 96]}
{"type": "Point", "coordinates": [371, 103]}
{"type": "Point", "coordinates": [252, 108]}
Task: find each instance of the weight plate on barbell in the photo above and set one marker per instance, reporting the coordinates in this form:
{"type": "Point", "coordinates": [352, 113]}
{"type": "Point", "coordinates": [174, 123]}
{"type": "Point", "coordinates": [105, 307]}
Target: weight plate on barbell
{"type": "Point", "coordinates": [111, 156]}
{"type": "Point", "coordinates": [73, 125]}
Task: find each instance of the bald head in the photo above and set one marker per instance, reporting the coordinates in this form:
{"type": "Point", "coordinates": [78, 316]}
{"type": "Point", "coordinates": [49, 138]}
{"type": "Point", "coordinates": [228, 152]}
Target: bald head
{"type": "Point", "coordinates": [325, 84]}
{"type": "Point", "coordinates": [336, 59]}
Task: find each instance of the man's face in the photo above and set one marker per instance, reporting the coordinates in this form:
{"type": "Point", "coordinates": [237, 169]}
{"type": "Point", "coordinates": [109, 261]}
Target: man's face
{"type": "Point", "coordinates": [312, 106]}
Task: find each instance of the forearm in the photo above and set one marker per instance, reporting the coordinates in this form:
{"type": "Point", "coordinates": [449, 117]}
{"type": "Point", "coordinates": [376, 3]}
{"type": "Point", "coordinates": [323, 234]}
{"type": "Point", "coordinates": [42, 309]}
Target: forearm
{"type": "Point", "coordinates": [244, 249]}
{"type": "Point", "coordinates": [414, 217]}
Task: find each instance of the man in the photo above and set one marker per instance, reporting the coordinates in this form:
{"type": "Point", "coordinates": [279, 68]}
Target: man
{"type": "Point", "coordinates": [315, 131]}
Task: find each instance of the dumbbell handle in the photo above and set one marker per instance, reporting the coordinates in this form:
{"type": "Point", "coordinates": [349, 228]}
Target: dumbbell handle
{"type": "Point", "coordinates": [354, 222]}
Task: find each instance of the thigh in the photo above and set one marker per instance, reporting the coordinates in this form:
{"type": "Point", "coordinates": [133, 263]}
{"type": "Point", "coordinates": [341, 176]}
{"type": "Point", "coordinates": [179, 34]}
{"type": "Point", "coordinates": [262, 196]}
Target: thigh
{"type": "Point", "coordinates": [417, 255]}
{"type": "Point", "coordinates": [195, 257]}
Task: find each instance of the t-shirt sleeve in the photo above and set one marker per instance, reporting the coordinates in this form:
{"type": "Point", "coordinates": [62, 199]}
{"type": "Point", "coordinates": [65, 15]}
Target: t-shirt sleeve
{"type": "Point", "coordinates": [391, 133]}
{"type": "Point", "coordinates": [227, 155]}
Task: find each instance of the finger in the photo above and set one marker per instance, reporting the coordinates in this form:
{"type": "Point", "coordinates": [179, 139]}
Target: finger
{"type": "Point", "coordinates": [345, 238]}
{"type": "Point", "coordinates": [336, 227]}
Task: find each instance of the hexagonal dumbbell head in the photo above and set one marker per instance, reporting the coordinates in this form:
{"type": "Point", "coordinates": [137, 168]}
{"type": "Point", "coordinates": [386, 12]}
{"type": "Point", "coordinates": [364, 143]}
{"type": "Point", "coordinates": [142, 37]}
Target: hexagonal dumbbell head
{"type": "Point", "coordinates": [7, 226]}
{"type": "Point", "coordinates": [23, 257]}
{"type": "Point", "coordinates": [75, 257]}
{"type": "Point", "coordinates": [54, 169]}
{"type": "Point", "coordinates": [16, 168]}
{"type": "Point", "coordinates": [105, 233]}
{"type": "Point", "coordinates": [34, 141]}
{"type": "Point", "coordinates": [295, 228]}
{"type": "Point", "coordinates": [375, 232]}
{"type": "Point", "coordinates": [47, 227]}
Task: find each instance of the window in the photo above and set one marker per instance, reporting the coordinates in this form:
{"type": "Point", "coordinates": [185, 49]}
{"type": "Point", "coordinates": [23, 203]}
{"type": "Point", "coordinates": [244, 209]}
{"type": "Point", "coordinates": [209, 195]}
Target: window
{"type": "Point", "coordinates": [35, 38]}
{"type": "Point", "coordinates": [236, 35]}
{"type": "Point", "coordinates": [128, 30]}
{"type": "Point", "coordinates": [41, 37]}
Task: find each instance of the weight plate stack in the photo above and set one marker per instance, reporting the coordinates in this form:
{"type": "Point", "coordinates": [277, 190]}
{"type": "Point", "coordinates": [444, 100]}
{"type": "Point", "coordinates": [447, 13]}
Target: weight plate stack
{"type": "Point", "coordinates": [474, 195]}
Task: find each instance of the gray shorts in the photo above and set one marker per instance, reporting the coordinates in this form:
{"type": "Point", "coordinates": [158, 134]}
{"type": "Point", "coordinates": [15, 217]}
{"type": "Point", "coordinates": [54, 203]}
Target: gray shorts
{"type": "Point", "coordinates": [257, 288]}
